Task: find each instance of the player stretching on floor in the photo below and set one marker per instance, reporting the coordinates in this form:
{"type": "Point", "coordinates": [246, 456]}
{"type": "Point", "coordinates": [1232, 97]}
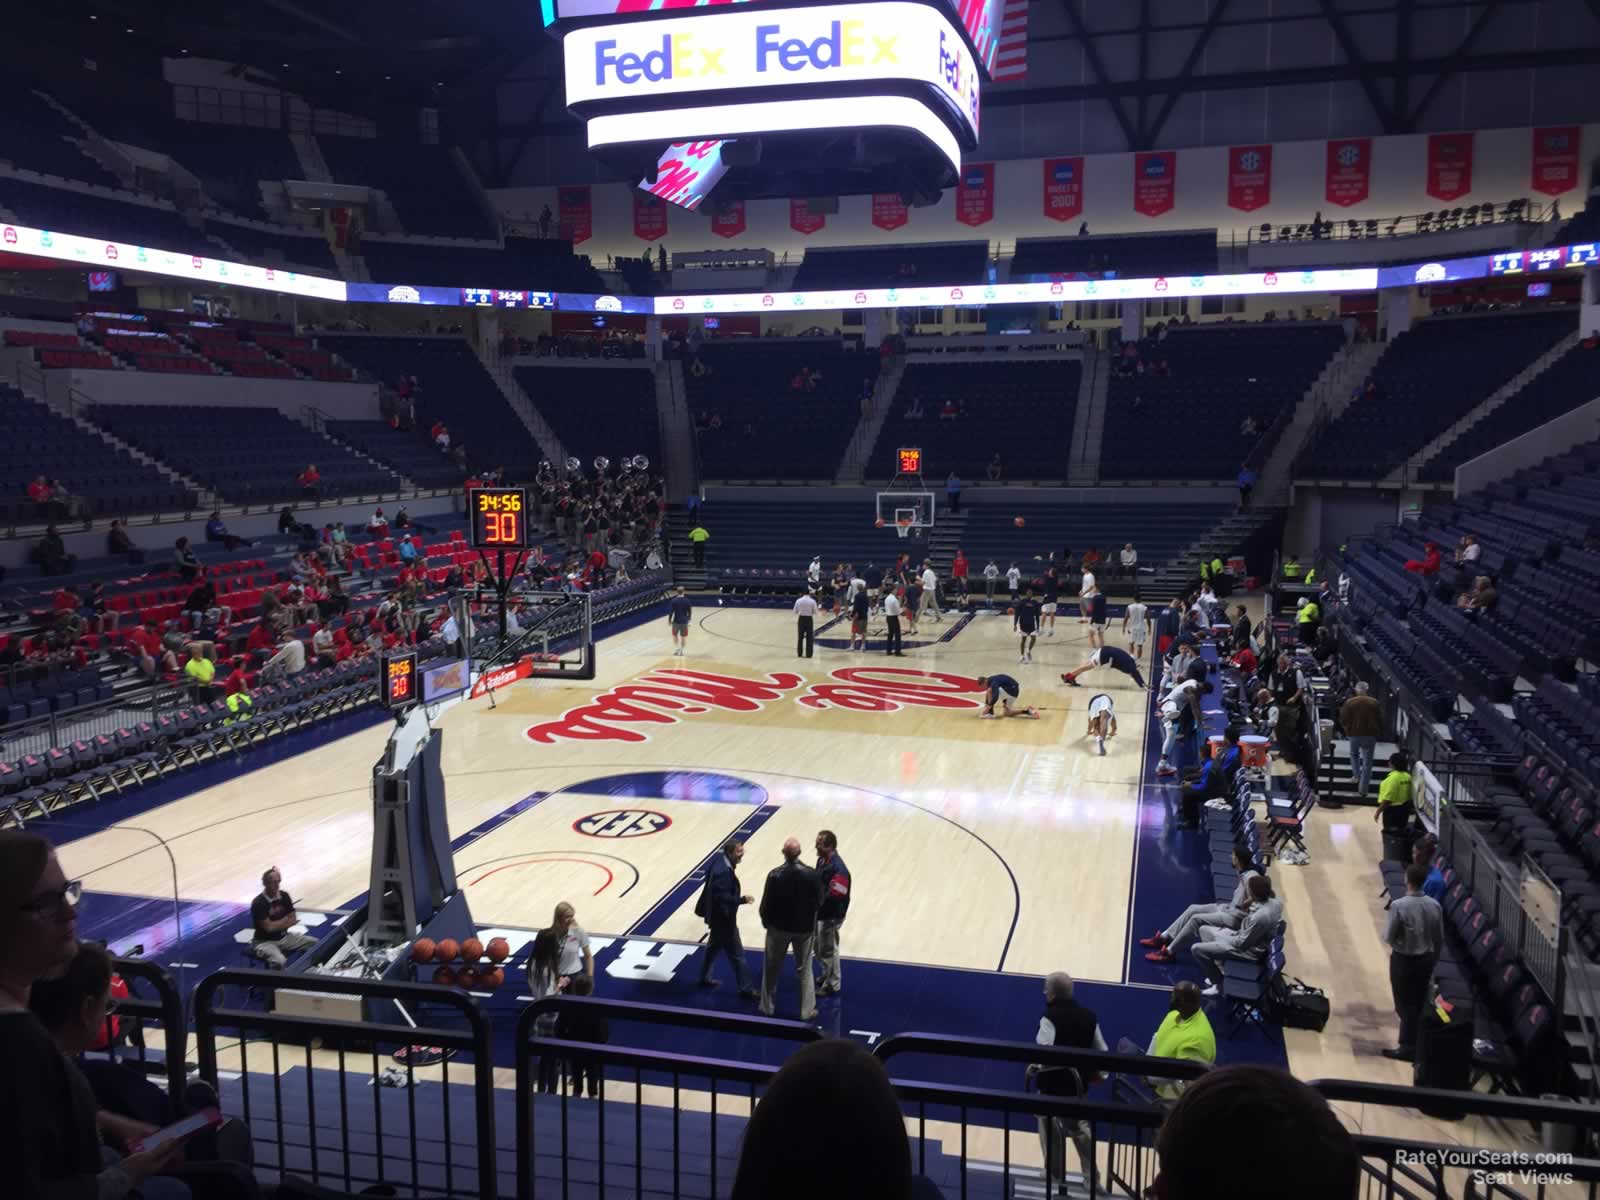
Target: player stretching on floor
{"type": "Point", "coordinates": [1102, 719]}
{"type": "Point", "coordinates": [1003, 690]}
{"type": "Point", "coordinates": [1025, 622]}
{"type": "Point", "coordinates": [1106, 656]}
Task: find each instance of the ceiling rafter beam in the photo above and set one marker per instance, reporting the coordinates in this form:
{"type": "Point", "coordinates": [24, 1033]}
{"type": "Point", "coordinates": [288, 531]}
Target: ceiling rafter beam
{"type": "Point", "coordinates": [1458, 56]}
{"type": "Point", "coordinates": [1181, 81]}
{"type": "Point", "coordinates": [1097, 66]}
{"type": "Point", "coordinates": [1388, 120]}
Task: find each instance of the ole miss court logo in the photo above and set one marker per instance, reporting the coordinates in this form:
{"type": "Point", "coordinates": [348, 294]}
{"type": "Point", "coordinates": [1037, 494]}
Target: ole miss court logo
{"type": "Point", "coordinates": [672, 694]}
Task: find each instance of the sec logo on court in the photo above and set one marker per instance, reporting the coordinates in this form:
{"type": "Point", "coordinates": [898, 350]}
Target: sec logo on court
{"type": "Point", "coordinates": [622, 823]}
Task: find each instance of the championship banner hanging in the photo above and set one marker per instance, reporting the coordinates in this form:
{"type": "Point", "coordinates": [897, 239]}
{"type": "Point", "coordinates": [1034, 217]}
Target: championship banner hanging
{"type": "Point", "coordinates": [1155, 178]}
{"type": "Point", "coordinates": [728, 222]}
{"type": "Point", "coordinates": [1249, 177]}
{"type": "Point", "coordinates": [1449, 165]}
{"type": "Point", "coordinates": [1063, 188]}
{"type": "Point", "coordinates": [1349, 171]}
{"type": "Point", "coordinates": [1555, 159]}
{"type": "Point", "coordinates": [649, 216]}
{"type": "Point", "coordinates": [889, 210]}
{"type": "Point", "coordinates": [803, 220]}
{"type": "Point", "coordinates": [975, 194]}
{"type": "Point", "coordinates": [575, 215]}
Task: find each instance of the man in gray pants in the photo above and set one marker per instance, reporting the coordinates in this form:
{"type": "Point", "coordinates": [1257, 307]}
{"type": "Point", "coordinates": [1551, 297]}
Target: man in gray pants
{"type": "Point", "coordinates": [789, 913]}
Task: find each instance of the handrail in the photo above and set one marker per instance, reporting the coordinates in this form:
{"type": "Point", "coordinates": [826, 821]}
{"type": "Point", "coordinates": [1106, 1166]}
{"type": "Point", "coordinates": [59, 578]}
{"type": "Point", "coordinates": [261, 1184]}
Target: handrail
{"type": "Point", "coordinates": [1100, 1062]}
{"type": "Point", "coordinates": [168, 1009]}
{"type": "Point", "coordinates": [668, 1014]}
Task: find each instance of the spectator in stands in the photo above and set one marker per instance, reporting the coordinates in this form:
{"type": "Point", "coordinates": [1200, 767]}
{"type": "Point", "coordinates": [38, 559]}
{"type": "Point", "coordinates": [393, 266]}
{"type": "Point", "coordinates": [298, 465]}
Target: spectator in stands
{"type": "Point", "coordinates": [377, 525]}
{"type": "Point", "coordinates": [1482, 597]}
{"type": "Point", "coordinates": [1249, 942]}
{"type": "Point", "coordinates": [184, 560]}
{"type": "Point", "coordinates": [1592, 341]}
{"type": "Point", "coordinates": [201, 609]}
{"type": "Point", "coordinates": [952, 491]}
{"type": "Point", "coordinates": [1361, 718]}
{"type": "Point", "coordinates": [1068, 1024]}
{"type": "Point", "coordinates": [1423, 853]}
{"type": "Point", "coordinates": [1394, 795]}
{"type": "Point", "coordinates": [334, 602]}
{"type": "Point", "coordinates": [144, 643]}
{"type": "Point", "coordinates": [50, 1127]}
{"type": "Point", "coordinates": [1247, 485]}
{"type": "Point", "coordinates": [39, 493]}
{"type": "Point", "coordinates": [996, 470]}
{"type": "Point", "coordinates": [441, 437]}
{"type": "Point", "coordinates": [200, 672]}
{"type": "Point", "coordinates": [1128, 561]}
{"type": "Point", "coordinates": [1429, 565]}
{"type": "Point", "coordinates": [1469, 551]}
{"type": "Point", "coordinates": [1248, 428]}
{"type": "Point", "coordinates": [407, 550]}
{"type": "Point", "coordinates": [217, 531]}
{"type": "Point", "coordinates": [1293, 1134]}
{"type": "Point", "coordinates": [289, 660]}
{"type": "Point", "coordinates": [119, 543]}
{"type": "Point", "coordinates": [50, 553]}
{"type": "Point", "coordinates": [1415, 935]}
{"type": "Point", "coordinates": [322, 647]}
{"type": "Point", "coordinates": [829, 1123]}
{"type": "Point", "coordinates": [310, 482]}
{"type": "Point", "coordinates": [1185, 1033]}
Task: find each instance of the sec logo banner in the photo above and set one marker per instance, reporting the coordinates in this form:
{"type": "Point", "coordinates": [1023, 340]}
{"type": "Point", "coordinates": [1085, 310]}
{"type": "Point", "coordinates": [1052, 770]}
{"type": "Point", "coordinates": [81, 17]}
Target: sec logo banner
{"type": "Point", "coordinates": [622, 823]}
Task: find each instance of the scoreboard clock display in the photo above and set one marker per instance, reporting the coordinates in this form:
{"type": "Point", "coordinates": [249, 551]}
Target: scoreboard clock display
{"type": "Point", "coordinates": [910, 460]}
{"type": "Point", "coordinates": [499, 518]}
{"type": "Point", "coordinates": [397, 680]}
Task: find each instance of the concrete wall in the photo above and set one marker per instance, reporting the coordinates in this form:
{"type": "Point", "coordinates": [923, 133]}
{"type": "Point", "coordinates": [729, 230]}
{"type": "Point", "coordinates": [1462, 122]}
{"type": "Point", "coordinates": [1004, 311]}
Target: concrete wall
{"type": "Point", "coordinates": [1325, 518]}
{"type": "Point", "coordinates": [1501, 172]}
{"type": "Point", "coordinates": [1553, 437]}
{"type": "Point", "coordinates": [341, 401]}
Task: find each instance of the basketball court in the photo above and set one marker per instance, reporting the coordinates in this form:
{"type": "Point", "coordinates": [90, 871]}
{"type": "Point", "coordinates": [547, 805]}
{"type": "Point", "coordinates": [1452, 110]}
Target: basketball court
{"type": "Point", "coordinates": [984, 853]}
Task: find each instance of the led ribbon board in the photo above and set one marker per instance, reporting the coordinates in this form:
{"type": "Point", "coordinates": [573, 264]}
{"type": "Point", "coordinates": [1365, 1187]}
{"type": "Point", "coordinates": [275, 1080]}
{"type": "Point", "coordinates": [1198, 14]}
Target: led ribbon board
{"type": "Point", "coordinates": [635, 66]}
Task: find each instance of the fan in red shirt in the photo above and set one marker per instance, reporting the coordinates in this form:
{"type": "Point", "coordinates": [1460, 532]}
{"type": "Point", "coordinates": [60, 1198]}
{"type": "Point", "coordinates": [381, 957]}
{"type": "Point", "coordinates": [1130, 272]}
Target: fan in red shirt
{"type": "Point", "coordinates": [65, 600]}
{"type": "Point", "coordinates": [1430, 561]}
{"type": "Point", "coordinates": [310, 480]}
{"type": "Point", "coordinates": [39, 490]}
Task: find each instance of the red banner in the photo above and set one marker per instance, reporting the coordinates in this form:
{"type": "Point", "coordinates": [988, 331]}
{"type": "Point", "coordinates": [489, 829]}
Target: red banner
{"type": "Point", "coordinates": [975, 194]}
{"type": "Point", "coordinates": [1155, 179]}
{"type": "Point", "coordinates": [889, 210]}
{"type": "Point", "coordinates": [803, 220]}
{"type": "Point", "coordinates": [1063, 188]}
{"type": "Point", "coordinates": [1349, 171]}
{"type": "Point", "coordinates": [1249, 177]}
{"type": "Point", "coordinates": [1449, 165]}
{"type": "Point", "coordinates": [728, 222]}
{"type": "Point", "coordinates": [576, 216]}
{"type": "Point", "coordinates": [1555, 159]}
{"type": "Point", "coordinates": [649, 216]}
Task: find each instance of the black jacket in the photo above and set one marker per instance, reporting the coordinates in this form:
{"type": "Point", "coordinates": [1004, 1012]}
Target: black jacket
{"type": "Point", "coordinates": [833, 881]}
{"type": "Point", "coordinates": [719, 899]}
{"type": "Point", "coordinates": [789, 901]}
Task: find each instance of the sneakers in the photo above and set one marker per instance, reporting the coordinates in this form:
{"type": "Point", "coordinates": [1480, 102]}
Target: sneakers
{"type": "Point", "coordinates": [985, 716]}
{"type": "Point", "coordinates": [1160, 956]}
{"type": "Point", "coordinates": [1156, 941]}
{"type": "Point", "coordinates": [1102, 742]}
{"type": "Point", "coordinates": [1211, 990]}
{"type": "Point", "coordinates": [1166, 768]}
{"type": "Point", "coordinates": [1070, 681]}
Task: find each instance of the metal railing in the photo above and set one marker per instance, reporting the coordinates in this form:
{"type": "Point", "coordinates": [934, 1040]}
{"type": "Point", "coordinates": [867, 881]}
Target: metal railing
{"type": "Point", "coordinates": [36, 735]}
{"type": "Point", "coordinates": [136, 1014]}
{"type": "Point", "coordinates": [1440, 220]}
{"type": "Point", "coordinates": [342, 1058]}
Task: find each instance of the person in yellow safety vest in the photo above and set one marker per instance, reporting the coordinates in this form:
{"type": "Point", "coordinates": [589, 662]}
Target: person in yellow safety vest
{"type": "Point", "coordinates": [1292, 568]}
{"type": "Point", "coordinates": [1205, 571]}
{"type": "Point", "coordinates": [1308, 618]}
{"type": "Point", "coordinates": [1216, 568]}
{"type": "Point", "coordinates": [1311, 576]}
{"type": "Point", "coordinates": [239, 707]}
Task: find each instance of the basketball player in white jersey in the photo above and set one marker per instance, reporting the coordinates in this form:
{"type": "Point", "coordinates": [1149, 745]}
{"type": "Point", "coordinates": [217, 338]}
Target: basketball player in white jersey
{"type": "Point", "coordinates": [1135, 626]}
{"type": "Point", "coordinates": [1102, 719]}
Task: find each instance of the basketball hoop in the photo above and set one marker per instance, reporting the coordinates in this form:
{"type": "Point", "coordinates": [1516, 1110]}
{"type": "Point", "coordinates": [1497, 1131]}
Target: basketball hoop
{"type": "Point", "coordinates": [902, 529]}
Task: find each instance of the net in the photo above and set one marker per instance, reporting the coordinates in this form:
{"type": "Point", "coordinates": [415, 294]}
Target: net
{"type": "Point", "coordinates": [902, 528]}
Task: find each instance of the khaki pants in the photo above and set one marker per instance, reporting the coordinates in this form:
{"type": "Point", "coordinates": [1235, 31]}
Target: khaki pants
{"type": "Point", "coordinates": [1053, 1135]}
{"type": "Point", "coordinates": [276, 954]}
{"type": "Point", "coordinates": [828, 951]}
{"type": "Point", "coordinates": [929, 605]}
{"type": "Point", "coordinates": [778, 944]}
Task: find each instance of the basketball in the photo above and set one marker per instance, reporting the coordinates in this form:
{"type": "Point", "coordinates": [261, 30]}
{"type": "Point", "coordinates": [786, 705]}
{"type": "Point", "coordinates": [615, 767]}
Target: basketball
{"type": "Point", "coordinates": [467, 978]}
{"type": "Point", "coordinates": [499, 949]}
{"type": "Point", "coordinates": [1011, 612]}
{"type": "Point", "coordinates": [878, 523]}
{"type": "Point", "coordinates": [446, 951]}
{"type": "Point", "coordinates": [1019, 522]}
{"type": "Point", "coordinates": [491, 978]}
{"type": "Point", "coordinates": [444, 976]}
{"type": "Point", "coordinates": [472, 949]}
{"type": "Point", "coordinates": [422, 950]}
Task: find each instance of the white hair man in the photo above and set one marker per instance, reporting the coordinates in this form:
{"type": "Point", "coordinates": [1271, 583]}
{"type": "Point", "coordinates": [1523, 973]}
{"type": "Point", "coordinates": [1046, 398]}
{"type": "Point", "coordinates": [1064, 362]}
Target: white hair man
{"type": "Point", "coordinates": [1065, 1023]}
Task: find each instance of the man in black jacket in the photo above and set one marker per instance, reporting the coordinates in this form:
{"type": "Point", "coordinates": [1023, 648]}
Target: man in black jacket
{"type": "Point", "coordinates": [833, 878]}
{"type": "Point", "coordinates": [719, 905]}
{"type": "Point", "coordinates": [789, 911]}
{"type": "Point", "coordinates": [1065, 1023]}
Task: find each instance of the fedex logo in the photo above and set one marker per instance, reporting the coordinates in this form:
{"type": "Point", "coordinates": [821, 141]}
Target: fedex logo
{"type": "Point", "coordinates": [676, 58]}
{"type": "Point", "coordinates": [959, 75]}
{"type": "Point", "coordinates": [844, 45]}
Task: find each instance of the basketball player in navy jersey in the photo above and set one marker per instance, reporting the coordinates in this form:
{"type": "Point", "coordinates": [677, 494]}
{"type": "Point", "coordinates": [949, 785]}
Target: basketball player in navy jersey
{"type": "Point", "coordinates": [1025, 622]}
{"type": "Point", "coordinates": [1106, 656]}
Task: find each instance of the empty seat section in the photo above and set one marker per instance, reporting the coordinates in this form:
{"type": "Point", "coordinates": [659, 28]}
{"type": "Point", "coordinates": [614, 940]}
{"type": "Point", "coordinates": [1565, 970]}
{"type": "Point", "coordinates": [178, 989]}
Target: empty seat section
{"type": "Point", "coordinates": [892, 266]}
{"type": "Point", "coordinates": [598, 410]}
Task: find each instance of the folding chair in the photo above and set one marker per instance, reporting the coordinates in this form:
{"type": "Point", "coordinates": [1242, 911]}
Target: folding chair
{"type": "Point", "coordinates": [1250, 986]}
{"type": "Point", "coordinates": [1289, 827]}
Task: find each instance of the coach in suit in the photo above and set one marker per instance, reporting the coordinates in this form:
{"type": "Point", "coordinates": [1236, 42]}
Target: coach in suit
{"type": "Point", "coordinates": [719, 904]}
{"type": "Point", "coordinates": [789, 911]}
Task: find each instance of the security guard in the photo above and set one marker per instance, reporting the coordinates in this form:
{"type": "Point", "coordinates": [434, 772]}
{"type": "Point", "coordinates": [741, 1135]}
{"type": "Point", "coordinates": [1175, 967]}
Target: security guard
{"type": "Point", "coordinates": [834, 878]}
{"type": "Point", "coordinates": [1292, 570]}
{"type": "Point", "coordinates": [1308, 618]}
{"type": "Point", "coordinates": [239, 707]}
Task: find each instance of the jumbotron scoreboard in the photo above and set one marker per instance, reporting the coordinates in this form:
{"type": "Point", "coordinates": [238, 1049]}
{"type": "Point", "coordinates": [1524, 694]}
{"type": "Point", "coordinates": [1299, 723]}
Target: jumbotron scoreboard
{"type": "Point", "coordinates": [883, 92]}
